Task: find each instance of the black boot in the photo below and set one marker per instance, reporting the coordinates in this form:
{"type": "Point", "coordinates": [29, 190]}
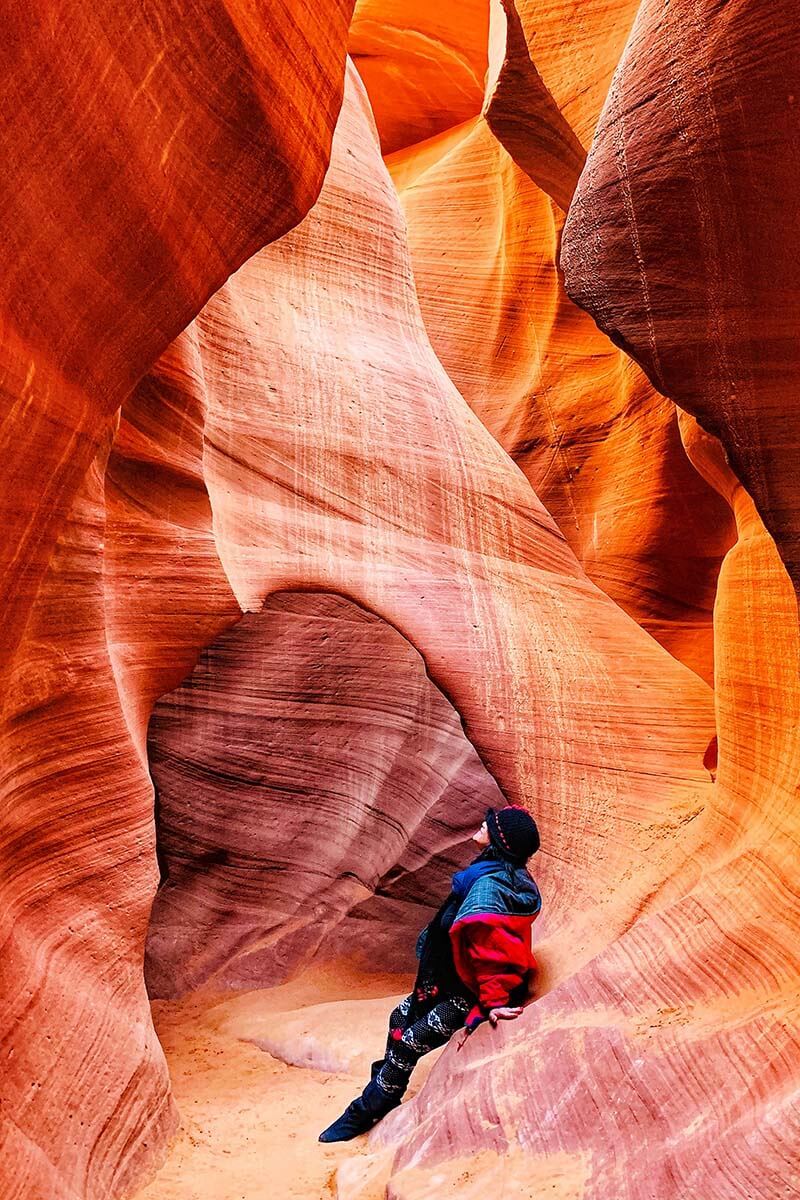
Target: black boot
{"type": "Point", "coordinates": [354, 1120]}
{"type": "Point", "coordinates": [361, 1114]}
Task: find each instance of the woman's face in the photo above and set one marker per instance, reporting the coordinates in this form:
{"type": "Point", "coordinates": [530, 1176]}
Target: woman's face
{"type": "Point", "coordinates": [481, 836]}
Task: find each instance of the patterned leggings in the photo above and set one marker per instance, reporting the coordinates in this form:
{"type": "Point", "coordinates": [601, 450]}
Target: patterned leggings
{"type": "Point", "coordinates": [409, 1039]}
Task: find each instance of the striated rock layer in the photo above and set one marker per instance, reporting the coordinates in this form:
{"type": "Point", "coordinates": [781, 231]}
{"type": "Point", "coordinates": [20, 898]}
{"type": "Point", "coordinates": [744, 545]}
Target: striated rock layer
{"type": "Point", "coordinates": [127, 199]}
{"type": "Point", "coordinates": [315, 450]}
{"type": "Point", "coordinates": [478, 578]}
{"type": "Point", "coordinates": [683, 238]}
{"type": "Point", "coordinates": [275, 446]}
{"type": "Point", "coordinates": [667, 1065]}
{"type": "Point", "coordinates": [315, 458]}
{"type": "Point", "coordinates": [423, 64]}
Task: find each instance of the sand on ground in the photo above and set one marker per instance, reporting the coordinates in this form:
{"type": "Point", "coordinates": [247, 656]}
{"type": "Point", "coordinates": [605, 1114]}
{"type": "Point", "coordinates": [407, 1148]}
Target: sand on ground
{"type": "Point", "coordinates": [250, 1116]}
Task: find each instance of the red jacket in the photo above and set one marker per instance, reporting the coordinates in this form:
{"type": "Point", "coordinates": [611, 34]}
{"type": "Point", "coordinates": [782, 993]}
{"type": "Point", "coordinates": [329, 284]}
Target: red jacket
{"type": "Point", "coordinates": [491, 939]}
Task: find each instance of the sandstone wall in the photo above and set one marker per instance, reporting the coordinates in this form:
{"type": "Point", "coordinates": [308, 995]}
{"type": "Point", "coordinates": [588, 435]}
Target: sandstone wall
{"type": "Point", "coordinates": [313, 455]}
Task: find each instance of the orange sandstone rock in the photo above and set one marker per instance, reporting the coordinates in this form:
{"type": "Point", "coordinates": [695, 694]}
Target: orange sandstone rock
{"type": "Point", "coordinates": [424, 64]}
{"type": "Point", "coordinates": [150, 151]}
{"type": "Point", "coordinates": [166, 595]}
{"type": "Point", "coordinates": [314, 451]}
{"type": "Point", "coordinates": [576, 46]}
{"type": "Point", "coordinates": [302, 435]}
{"type": "Point", "coordinates": [484, 203]}
{"type": "Point", "coordinates": [316, 457]}
{"type": "Point", "coordinates": [329, 777]}
{"type": "Point", "coordinates": [318, 454]}
{"type": "Point", "coordinates": [667, 1065]}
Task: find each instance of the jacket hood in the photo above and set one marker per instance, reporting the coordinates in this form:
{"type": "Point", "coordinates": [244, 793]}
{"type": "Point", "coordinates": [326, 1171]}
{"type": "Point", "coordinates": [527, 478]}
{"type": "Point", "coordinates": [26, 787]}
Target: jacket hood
{"type": "Point", "coordinates": [501, 889]}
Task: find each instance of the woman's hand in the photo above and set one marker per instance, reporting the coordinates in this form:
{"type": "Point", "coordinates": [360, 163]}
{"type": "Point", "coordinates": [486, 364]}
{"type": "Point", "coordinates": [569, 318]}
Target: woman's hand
{"type": "Point", "coordinates": [504, 1014]}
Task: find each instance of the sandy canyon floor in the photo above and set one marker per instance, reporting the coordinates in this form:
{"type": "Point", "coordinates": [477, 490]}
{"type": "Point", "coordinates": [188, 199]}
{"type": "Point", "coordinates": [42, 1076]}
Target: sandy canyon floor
{"type": "Point", "coordinates": [258, 1074]}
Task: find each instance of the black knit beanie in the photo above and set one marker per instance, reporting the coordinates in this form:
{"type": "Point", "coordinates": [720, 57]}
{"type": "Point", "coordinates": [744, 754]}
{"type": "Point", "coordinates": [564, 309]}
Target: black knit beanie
{"type": "Point", "coordinates": [513, 832]}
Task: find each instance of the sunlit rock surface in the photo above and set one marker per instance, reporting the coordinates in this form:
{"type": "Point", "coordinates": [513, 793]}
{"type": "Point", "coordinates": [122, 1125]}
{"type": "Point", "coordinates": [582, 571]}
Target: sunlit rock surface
{"type": "Point", "coordinates": [492, 602]}
{"type": "Point", "coordinates": [683, 1033]}
{"type": "Point", "coordinates": [424, 64]}
{"type": "Point", "coordinates": [533, 656]}
{"type": "Point", "coordinates": [364, 412]}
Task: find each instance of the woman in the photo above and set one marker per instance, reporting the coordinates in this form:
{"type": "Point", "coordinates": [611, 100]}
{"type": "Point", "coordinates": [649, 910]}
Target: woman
{"type": "Point", "coordinates": [475, 964]}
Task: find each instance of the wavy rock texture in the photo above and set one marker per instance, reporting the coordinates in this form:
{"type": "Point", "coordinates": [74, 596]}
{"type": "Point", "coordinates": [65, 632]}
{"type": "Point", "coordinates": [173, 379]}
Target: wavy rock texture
{"type": "Point", "coordinates": [639, 1069]}
{"type": "Point", "coordinates": [317, 439]}
{"type": "Point", "coordinates": [152, 150]}
{"type": "Point", "coordinates": [478, 577]}
{"type": "Point", "coordinates": [683, 238]}
{"type": "Point", "coordinates": [315, 458]}
{"type": "Point", "coordinates": [166, 595]}
{"type": "Point", "coordinates": [485, 208]}
{"type": "Point", "coordinates": [681, 1035]}
{"type": "Point", "coordinates": [127, 200]}
{"type": "Point", "coordinates": [576, 46]}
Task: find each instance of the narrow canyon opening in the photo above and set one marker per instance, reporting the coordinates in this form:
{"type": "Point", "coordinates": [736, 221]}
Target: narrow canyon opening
{"type": "Point", "coordinates": [315, 791]}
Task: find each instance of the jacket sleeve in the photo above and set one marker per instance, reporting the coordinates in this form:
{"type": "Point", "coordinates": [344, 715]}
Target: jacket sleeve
{"type": "Point", "coordinates": [493, 959]}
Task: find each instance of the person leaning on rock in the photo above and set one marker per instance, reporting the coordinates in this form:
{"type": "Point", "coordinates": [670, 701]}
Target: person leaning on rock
{"type": "Point", "coordinates": [475, 964]}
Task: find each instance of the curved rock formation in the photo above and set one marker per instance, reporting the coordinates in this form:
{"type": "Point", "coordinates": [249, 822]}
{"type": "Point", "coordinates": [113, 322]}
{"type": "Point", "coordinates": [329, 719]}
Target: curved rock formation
{"type": "Point", "coordinates": [128, 198]}
{"type": "Point", "coordinates": [295, 446]}
{"type": "Point", "coordinates": [316, 458]}
{"type": "Point", "coordinates": [299, 454]}
{"type": "Point", "coordinates": [666, 1065]}
{"type": "Point", "coordinates": [484, 204]}
{"type": "Point", "coordinates": [576, 46]}
{"type": "Point", "coordinates": [423, 64]}
{"type": "Point", "coordinates": [681, 1035]}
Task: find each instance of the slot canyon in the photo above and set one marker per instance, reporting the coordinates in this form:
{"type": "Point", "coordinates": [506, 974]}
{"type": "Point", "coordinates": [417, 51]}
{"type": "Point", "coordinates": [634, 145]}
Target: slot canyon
{"type": "Point", "coordinates": [397, 423]}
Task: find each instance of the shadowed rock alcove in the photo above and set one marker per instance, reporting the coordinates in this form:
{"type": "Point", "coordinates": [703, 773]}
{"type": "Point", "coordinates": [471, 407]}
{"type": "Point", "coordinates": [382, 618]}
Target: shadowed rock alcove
{"type": "Point", "coordinates": [315, 791]}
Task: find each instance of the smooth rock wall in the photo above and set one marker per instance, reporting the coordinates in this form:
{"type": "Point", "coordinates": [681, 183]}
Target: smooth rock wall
{"type": "Point", "coordinates": [668, 1064]}
{"type": "Point", "coordinates": [147, 152]}
{"type": "Point", "coordinates": [682, 240]}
